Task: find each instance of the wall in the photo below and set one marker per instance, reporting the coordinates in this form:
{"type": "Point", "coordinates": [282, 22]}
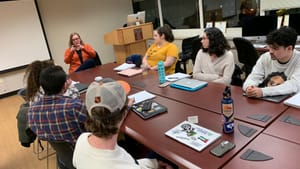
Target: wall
{"type": "Point", "coordinates": [92, 19]}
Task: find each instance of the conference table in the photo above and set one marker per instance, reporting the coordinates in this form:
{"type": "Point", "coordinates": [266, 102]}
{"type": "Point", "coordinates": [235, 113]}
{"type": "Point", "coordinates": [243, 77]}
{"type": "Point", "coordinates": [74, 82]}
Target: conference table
{"type": "Point", "coordinates": [287, 126]}
{"type": "Point", "coordinates": [204, 103]}
{"type": "Point", "coordinates": [208, 98]}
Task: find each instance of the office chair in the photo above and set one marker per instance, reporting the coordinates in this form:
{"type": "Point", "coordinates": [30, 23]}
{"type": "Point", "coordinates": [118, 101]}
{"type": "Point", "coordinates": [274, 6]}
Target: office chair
{"type": "Point", "coordinates": [97, 60]}
{"type": "Point", "coordinates": [64, 154]}
{"type": "Point", "coordinates": [190, 47]}
{"type": "Point", "coordinates": [247, 54]}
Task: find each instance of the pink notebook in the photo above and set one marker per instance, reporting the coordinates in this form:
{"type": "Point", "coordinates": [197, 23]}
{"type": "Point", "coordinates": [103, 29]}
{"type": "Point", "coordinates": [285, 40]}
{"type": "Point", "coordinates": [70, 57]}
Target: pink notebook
{"type": "Point", "coordinates": [130, 72]}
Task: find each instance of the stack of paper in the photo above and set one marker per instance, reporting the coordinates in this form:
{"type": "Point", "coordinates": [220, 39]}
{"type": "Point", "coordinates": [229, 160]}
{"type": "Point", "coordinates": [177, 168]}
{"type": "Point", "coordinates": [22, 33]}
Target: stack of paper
{"type": "Point", "coordinates": [124, 66]}
{"type": "Point", "coordinates": [176, 76]}
{"type": "Point", "coordinates": [141, 96]}
{"type": "Point", "coordinates": [293, 101]}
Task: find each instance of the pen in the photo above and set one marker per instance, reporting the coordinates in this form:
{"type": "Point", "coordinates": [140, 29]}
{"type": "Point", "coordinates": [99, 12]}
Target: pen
{"type": "Point", "coordinates": [172, 77]}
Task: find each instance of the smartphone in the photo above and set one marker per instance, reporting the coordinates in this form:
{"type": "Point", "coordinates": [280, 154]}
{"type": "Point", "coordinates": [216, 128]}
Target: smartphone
{"type": "Point", "coordinates": [164, 84]}
{"type": "Point", "coordinates": [222, 148]}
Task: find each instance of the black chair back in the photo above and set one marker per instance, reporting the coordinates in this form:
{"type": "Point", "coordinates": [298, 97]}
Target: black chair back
{"type": "Point", "coordinates": [247, 54]}
{"type": "Point", "coordinates": [189, 47]}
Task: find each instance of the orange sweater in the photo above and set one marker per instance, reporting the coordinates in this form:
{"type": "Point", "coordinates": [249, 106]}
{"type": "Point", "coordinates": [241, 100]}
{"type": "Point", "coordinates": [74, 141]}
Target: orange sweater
{"type": "Point", "coordinates": [72, 58]}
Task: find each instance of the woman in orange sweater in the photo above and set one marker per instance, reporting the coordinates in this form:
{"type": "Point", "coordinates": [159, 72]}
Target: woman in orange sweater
{"type": "Point", "coordinates": [79, 55]}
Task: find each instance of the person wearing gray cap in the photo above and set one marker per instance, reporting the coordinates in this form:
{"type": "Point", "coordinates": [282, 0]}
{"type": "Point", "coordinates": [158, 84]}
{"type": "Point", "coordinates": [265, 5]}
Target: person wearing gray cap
{"type": "Point", "coordinates": [107, 106]}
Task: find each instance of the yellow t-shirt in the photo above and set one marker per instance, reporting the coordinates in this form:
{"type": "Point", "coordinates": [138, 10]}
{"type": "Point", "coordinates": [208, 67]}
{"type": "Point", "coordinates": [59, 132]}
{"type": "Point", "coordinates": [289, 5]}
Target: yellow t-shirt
{"type": "Point", "coordinates": [156, 54]}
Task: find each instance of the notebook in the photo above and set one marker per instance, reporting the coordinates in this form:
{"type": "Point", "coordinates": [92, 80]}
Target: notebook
{"type": "Point", "coordinates": [193, 135]}
{"type": "Point", "coordinates": [293, 101]}
{"type": "Point", "coordinates": [155, 109]}
{"type": "Point", "coordinates": [141, 96]}
{"type": "Point", "coordinates": [130, 72]}
{"type": "Point", "coordinates": [189, 84]}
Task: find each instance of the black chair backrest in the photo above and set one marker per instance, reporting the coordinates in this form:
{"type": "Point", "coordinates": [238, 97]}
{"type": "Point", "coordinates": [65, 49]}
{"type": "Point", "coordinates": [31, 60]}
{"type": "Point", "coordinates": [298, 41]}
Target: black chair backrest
{"type": "Point", "coordinates": [97, 59]}
{"type": "Point", "coordinates": [187, 44]}
{"type": "Point", "coordinates": [246, 52]}
{"type": "Point", "coordinates": [64, 153]}
{"type": "Point", "coordinates": [196, 46]}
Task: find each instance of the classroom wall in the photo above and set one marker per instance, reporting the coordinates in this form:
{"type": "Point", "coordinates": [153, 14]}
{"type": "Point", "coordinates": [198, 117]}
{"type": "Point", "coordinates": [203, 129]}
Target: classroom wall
{"type": "Point", "coordinates": [91, 18]}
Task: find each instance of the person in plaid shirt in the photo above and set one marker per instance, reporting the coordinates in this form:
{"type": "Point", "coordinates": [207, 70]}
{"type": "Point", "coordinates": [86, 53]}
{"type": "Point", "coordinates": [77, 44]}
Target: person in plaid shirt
{"type": "Point", "coordinates": [55, 117]}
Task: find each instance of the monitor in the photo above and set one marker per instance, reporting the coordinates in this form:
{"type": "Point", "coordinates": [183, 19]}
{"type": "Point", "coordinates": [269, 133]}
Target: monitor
{"type": "Point", "coordinates": [258, 25]}
{"type": "Point", "coordinates": [294, 22]}
{"type": "Point", "coordinates": [135, 19]}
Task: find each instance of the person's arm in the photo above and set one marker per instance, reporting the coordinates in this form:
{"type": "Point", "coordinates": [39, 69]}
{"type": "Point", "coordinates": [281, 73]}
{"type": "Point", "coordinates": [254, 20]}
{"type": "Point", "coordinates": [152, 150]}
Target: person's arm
{"type": "Point", "coordinates": [68, 55]}
{"type": "Point", "coordinates": [200, 62]}
{"type": "Point", "coordinates": [167, 63]}
{"type": "Point", "coordinates": [89, 50]}
{"type": "Point", "coordinates": [257, 74]}
{"type": "Point", "coordinates": [145, 64]}
{"type": "Point", "coordinates": [227, 70]}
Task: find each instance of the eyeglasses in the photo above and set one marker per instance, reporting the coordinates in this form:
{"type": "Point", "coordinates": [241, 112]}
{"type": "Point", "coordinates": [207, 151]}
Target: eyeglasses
{"type": "Point", "coordinates": [75, 39]}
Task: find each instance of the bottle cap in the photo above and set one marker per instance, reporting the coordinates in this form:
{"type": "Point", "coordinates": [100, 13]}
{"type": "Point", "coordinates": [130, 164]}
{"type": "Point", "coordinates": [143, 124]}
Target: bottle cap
{"type": "Point", "coordinates": [98, 78]}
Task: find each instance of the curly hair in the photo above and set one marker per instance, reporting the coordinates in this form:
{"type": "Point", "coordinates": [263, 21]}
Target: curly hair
{"type": "Point", "coordinates": [167, 31]}
{"type": "Point", "coordinates": [32, 76]}
{"type": "Point", "coordinates": [270, 76]}
{"type": "Point", "coordinates": [217, 42]}
{"type": "Point", "coordinates": [104, 124]}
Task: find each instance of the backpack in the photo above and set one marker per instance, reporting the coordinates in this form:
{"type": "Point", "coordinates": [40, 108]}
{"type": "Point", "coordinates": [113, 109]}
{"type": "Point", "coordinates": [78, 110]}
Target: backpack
{"type": "Point", "coordinates": [26, 135]}
{"type": "Point", "coordinates": [135, 59]}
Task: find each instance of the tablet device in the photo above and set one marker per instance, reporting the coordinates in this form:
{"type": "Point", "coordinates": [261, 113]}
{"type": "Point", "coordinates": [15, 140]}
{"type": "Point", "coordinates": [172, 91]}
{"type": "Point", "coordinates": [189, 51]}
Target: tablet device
{"type": "Point", "coordinates": [148, 109]}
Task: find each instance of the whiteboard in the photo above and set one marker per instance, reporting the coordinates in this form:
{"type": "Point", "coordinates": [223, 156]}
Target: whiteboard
{"type": "Point", "coordinates": [21, 35]}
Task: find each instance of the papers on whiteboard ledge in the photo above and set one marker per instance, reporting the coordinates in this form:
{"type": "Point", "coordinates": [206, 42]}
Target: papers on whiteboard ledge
{"type": "Point", "coordinates": [124, 66]}
{"type": "Point", "coordinates": [193, 135]}
{"type": "Point", "coordinates": [293, 101]}
{"type": "Point", "coordinates": [141, 96]}
{"type": "Point", "coordinates": [176, 76]}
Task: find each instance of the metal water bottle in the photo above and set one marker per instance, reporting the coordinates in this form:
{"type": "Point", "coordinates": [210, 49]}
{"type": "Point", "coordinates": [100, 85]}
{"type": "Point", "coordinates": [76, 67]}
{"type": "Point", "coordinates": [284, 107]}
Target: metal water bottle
{"type": "Point", "coordinates": [161, 72]}
{"type": "Point", "coordinates": [227, 111]}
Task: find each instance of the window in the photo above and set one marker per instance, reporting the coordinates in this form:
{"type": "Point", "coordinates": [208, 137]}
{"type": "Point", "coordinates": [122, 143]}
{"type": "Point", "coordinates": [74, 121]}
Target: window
{"type": "Point", "coordinates": [181, 13]}
{"type": "Point", "coordinates": [185, 14]}
{"type": "Point", "coordinates": [151, 8]}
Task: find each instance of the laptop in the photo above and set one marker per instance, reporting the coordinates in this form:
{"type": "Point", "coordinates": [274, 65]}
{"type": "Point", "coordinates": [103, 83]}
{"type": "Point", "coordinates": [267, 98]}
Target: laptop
{"type": "Point", "coordinates": [189, 84]}
{"type": "Point", "coordinates": [275, 99]}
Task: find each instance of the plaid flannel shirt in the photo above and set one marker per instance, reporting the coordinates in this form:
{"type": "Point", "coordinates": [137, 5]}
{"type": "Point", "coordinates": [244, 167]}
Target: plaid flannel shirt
{"type": "Point", "coordinates": [57, 118]}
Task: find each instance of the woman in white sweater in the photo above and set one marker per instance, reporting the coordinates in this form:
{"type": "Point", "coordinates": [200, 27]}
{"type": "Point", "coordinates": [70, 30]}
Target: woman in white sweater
{"type": "Point", "coordinates": [214, 62]}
